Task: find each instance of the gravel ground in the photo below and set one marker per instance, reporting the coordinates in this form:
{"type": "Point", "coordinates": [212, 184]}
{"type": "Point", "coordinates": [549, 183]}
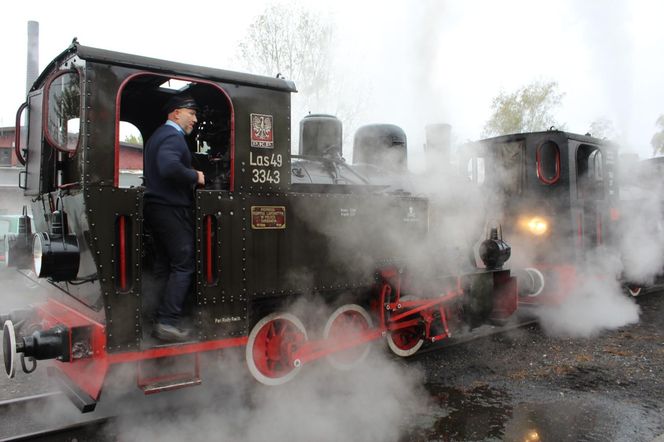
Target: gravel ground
{"type": "Point", "coordinates": [519, 385]}
{"type": "Point", "coordinates": [523, 385]}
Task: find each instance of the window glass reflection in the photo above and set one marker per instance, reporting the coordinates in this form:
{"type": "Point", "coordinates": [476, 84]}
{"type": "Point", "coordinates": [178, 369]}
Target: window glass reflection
{"type": "Point", "coordinates": [64, 111]}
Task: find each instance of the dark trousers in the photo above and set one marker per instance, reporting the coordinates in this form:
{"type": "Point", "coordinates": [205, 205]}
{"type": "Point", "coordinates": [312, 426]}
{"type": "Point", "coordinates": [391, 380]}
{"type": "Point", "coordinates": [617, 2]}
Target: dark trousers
{"type": "Point", "coordinates": [173, 233]}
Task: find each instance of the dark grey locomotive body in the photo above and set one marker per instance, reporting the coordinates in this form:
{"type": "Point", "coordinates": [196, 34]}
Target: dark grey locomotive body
{"type": "Point", "coordinates": [268, 227]}
{"type": "Point", "coordinates": [271, 229]}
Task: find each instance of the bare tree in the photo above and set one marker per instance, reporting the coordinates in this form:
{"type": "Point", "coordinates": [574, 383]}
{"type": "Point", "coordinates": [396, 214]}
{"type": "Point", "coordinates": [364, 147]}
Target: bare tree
{"type": "Point", "coordinates": [296, 43]}
{"type": "Point", "coordinates": [293, 42]}
{"type": "Point", "coordinates": [529, 109]}
{"type": "Point", "coordinates": [657, 141]}
{"type": "Point", "coordinates": [603, 128]}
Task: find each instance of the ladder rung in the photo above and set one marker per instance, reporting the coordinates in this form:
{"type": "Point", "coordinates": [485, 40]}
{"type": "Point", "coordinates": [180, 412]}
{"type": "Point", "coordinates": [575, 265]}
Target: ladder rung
{"type": "Point", "coordinates": [158, 387]}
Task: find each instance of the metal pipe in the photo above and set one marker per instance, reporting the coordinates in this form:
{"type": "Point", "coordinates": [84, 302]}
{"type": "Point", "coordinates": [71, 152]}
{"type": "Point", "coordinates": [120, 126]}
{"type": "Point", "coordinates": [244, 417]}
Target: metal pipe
{"type": "Point", "coordinates": [32, 70]}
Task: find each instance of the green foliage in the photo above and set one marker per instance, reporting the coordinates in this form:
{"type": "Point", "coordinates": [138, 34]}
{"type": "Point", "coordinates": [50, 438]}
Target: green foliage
{"type": "Point", "coordinates": [529, 109]}
{"type": "Point", "coordinates": [133, 139]}
{"type": "Point", "coordinates": [657, 141]}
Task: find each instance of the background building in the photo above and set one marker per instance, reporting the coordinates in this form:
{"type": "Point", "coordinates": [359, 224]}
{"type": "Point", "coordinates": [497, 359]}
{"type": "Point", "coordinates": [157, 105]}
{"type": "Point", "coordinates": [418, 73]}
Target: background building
{"type": "Point", "coordinates": [11, 197]}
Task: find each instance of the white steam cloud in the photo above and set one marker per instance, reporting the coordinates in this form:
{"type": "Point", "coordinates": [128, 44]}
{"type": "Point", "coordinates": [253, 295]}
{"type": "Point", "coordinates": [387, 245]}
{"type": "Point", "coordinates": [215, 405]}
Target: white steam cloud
{"type": "Point", "coordinates": [593, 306]}
{"type": "Point", "coordinates": [642, 228]}
{"type": "Point", "coordinates": [372, 402]}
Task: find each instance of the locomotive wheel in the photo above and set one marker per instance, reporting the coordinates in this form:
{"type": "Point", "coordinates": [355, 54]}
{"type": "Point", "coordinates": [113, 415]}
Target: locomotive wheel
{"type": "Point", "coordinates": [537, 279]}
{"type": "Point", "coordinates": [406, 341]}
{"type": "Point", "coordinates": [634, 290]}
{"type": "Point", "coordinates": [271, 343]}
{"type": "Point", "coordinates": [9, 348]}
{"type": "Point", "coordinates": [346, 323]}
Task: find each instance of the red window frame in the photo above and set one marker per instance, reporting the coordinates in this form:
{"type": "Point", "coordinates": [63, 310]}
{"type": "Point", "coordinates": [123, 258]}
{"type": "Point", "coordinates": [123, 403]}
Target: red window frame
{"type": "Point", "coordinates": [46, 107]}
{"type": "Point", "coordinates": [116, 172]}
{"type": "Point", "coordinates": [538, 159]}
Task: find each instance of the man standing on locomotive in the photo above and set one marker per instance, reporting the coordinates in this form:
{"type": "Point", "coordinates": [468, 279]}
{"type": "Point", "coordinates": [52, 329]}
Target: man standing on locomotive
{"type": "Point", "coordinates": [169, 184]}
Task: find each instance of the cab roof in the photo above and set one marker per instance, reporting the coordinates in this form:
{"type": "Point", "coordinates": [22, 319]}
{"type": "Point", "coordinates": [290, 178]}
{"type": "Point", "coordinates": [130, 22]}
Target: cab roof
{"type": "Point", "coordinates": [162, 66]}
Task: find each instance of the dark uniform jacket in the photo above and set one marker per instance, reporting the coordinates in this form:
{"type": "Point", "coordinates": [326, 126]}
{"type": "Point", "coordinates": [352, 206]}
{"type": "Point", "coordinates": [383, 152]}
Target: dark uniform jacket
{"type": "Point", "coordinates": [169, 178]}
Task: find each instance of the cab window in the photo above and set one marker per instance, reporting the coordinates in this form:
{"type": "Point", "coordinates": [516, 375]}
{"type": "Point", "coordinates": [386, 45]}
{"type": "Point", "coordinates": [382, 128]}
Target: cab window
{"type": "Point", "coordinates": [130, 161]}
{"type": "Point", "coordinates": [548, 162]}
{"type": "Point", "coordinates": [63, 111]}
{"type": "Point", "coordinates": [475, 170]}
{"type": "Point", "coordinates": [507, 169]}
{"type": "Point", "coordinates": [142, 102]}
{"type": "Point", "coordinates": [589, 172]}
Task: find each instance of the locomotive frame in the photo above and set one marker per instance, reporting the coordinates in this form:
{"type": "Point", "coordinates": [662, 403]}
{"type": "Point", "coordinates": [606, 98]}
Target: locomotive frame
{"type": "Point", "coordinates": [265, 236]}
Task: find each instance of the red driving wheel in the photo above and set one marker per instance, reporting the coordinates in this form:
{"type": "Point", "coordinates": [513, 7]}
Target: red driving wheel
{"type": "Point", "coordinates": [347, 323]}
{"type": "Point", "coordinates": [272, 343]}
{"type": "Point", "coordinates": [406, 341]}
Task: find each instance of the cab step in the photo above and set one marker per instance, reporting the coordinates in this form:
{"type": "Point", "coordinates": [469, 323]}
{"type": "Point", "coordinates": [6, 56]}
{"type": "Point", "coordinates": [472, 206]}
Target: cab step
{"type": "Point", "coordinates": [168, 373]}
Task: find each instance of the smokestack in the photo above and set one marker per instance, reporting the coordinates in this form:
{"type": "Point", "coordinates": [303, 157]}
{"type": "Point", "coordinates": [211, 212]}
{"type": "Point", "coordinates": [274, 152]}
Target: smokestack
{"type": "Point", "coordinates": [33, 55]}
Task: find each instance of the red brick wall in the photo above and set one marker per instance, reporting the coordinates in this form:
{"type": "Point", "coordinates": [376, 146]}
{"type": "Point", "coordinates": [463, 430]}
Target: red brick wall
{"type": "Point", "coordinates": [7, 142]}
{"type": "Point", "coordinates": [131, 158]}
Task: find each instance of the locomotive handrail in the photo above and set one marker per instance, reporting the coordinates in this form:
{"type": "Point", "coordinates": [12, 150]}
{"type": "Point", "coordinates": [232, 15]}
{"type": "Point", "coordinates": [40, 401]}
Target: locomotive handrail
{"type": "Point", "coordinates": [17, 134]}
{"type": "Point", "coordinates": [335, 161]}
{"type": "Point", "coordinates": [69, 185]}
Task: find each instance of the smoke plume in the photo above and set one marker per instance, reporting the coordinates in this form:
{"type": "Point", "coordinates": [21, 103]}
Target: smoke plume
{"type": "Point", "coordinates": [370, 403]}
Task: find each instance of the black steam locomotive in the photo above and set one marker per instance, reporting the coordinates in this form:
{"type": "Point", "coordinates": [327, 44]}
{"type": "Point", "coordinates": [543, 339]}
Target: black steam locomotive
{"type": "Point", "coordinates": [557, 194]}
{"type": "Point", "coordinates": [272, 230]}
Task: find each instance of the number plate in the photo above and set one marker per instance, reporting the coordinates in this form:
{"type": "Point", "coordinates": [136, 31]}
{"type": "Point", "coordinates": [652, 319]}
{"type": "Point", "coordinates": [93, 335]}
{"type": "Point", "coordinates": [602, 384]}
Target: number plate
{"type": "Point", "coordinates": [268, 217]}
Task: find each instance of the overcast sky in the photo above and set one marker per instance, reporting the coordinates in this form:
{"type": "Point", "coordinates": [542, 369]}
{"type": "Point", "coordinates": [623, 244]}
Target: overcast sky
{"type": "Point", "coordinates": [424, 61]}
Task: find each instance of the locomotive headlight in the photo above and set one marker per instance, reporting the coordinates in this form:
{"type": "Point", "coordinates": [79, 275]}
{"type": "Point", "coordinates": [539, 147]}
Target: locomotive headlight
{"type": "Point", "coordinates": [535, 225]}
{"type": "Point", "coordinates": [538, 226]}
{"type": "Point", "coordinates": [55, 256]}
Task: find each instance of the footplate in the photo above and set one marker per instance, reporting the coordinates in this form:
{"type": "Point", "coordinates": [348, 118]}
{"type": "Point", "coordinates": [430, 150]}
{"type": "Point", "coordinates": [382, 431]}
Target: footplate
{"type": "Point", "coordinates": [166, 385]}
{"type": "Point", "coordinates": [169, 373]}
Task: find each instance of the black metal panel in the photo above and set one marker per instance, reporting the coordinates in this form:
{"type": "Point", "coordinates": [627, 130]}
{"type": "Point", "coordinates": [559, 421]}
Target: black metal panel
{"type": "Point", "coordinates": [270, 246]}
{"type": "Point", "coordinates": [262, 139]}
{"type": "Point", "coordinates": [329, 242]}
{"type": "Point", "coordinates": [103, 83]}
{"type": "Point", "coordinates": [221, 302]}
{"type": "Point", "coordinates": [122, 306]}
{"type": "Point", "coordinates": [168, 67]}
{"type": "Point", "coordinates": [535, 186]}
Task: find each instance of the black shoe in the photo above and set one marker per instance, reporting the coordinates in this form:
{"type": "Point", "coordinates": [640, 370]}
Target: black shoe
{"type": "Point", "coordinates": [170, 333]}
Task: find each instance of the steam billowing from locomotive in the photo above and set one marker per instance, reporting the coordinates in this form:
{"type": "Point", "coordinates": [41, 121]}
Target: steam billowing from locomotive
{"type": "Point", "coordinates": [301, 259]}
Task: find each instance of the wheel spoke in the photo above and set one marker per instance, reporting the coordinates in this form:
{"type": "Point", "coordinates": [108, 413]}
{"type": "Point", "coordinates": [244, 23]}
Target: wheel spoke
{"type": "Point", "coordinates": [270, 346]}
{"type": "Point", "coordinates": [406, 341]}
